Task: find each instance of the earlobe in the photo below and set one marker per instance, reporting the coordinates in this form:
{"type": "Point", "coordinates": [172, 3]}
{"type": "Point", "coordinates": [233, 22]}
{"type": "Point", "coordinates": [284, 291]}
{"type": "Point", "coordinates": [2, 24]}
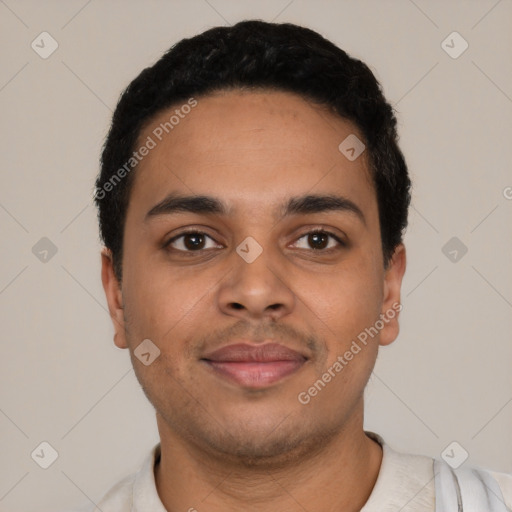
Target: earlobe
{"type": "Point", "coordinates": [114, 297]}
{"type": "Point", "coordinates": [391, 305]}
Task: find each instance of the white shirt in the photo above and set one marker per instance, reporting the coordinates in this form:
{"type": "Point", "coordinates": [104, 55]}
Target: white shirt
{"type": "Point", "coordinates": [405, 483]}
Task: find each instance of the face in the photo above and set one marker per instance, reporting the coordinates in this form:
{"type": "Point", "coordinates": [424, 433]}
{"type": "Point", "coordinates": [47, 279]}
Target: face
{"type": "Point", "coordinates": [258, 310]}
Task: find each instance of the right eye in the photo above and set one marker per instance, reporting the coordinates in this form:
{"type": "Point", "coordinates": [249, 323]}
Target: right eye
{"type": "Point", "coordinates": [189, 241]}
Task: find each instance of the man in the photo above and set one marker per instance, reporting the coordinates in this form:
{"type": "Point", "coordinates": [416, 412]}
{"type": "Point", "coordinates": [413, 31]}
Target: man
{"type": "Point", "coordinates": [252, 201]}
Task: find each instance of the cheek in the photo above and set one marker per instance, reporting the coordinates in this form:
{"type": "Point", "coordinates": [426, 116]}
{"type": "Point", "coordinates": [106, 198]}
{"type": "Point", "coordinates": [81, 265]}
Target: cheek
{"type": "Point", "coordinates": [162, 301]}
{"type": "Point", "coordinates": [346, 300]}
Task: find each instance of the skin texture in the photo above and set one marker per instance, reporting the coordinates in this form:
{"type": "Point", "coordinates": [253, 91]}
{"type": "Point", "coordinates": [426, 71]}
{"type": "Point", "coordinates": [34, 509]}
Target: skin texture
{"type": "Point", "coordinates": [226, 447]}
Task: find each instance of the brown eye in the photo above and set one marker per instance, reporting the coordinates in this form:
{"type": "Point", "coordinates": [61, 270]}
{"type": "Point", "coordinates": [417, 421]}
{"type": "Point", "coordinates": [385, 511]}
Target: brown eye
{"type": "Point", "coordinates": [190, 241]}
{"type": "Point", "coordinates": [319, 240]}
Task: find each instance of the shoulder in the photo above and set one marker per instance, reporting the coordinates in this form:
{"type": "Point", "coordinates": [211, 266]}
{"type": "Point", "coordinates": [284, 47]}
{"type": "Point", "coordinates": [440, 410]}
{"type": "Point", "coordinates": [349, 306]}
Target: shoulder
{"type": "Point", "coordinates": [505, 483]}
{"type": "Point", "coordinates": [482, 488]}
{"type": "Point", "coordinates": [136, 491]}
{"type": "Point", "coordinates": [403, 462]}
{"type": "Point", "coordinates": [119, 497]}
{"type": "Point", "coordinates": [405, 481]}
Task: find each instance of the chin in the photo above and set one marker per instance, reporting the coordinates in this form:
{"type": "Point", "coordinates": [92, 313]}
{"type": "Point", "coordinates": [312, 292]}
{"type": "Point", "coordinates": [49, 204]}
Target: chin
{"type": "Point", "coordinates": [264, 446]}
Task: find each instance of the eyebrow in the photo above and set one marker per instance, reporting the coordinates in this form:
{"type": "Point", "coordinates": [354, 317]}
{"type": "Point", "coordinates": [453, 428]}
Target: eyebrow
{"type": "Point", "coordinates": [301, 205]}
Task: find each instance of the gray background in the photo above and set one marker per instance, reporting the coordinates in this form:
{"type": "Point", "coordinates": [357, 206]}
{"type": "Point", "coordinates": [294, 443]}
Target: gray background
{"type": "Point", "coordinates": [447, 377]}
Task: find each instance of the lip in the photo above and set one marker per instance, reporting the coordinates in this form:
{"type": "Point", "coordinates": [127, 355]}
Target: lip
{"type": "Point", "coordinates": [254, 366]}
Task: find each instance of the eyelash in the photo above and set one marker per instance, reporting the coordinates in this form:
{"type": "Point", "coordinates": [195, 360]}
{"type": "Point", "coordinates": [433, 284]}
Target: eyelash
{"type": "Point", "coordinates": [166, 245]}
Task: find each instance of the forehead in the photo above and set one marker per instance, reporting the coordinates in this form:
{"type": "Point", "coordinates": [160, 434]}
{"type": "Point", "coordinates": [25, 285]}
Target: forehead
{"type": "Point", "coordinates": [249, 148]}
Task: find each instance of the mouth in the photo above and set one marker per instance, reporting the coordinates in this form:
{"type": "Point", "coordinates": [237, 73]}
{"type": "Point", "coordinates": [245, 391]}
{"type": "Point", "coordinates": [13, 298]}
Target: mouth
{"type": "Point", "coordinates": [254, 366]}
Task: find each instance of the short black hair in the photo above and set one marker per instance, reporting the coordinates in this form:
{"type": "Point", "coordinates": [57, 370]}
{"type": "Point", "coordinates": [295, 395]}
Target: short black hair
{"type": "Point", "coordinates": [260, 55]}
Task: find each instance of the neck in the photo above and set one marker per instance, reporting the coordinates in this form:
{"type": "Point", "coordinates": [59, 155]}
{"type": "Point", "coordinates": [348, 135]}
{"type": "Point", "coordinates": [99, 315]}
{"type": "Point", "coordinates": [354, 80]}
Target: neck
{"type": "Point", "coordinates": [339, 477]}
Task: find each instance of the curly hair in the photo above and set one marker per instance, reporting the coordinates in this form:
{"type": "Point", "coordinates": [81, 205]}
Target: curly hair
{"type": "Point", "coordinates": [257, 54]}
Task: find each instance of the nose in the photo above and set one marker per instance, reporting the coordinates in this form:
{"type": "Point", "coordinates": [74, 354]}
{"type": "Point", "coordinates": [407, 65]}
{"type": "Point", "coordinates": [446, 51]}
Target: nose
{"type": "Point", "coordinates": [256, 289]}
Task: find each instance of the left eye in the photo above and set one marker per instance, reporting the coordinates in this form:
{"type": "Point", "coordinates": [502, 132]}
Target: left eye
{"type": "Point", "coordinates": [319, 240]}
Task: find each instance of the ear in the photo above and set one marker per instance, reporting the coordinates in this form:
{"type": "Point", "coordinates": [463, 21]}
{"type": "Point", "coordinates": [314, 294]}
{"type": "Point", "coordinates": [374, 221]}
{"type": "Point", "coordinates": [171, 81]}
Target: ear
{"type": "Point", "coordinates": [114, 297]}
{"type": "Point", "coordinates": [391, 306]}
